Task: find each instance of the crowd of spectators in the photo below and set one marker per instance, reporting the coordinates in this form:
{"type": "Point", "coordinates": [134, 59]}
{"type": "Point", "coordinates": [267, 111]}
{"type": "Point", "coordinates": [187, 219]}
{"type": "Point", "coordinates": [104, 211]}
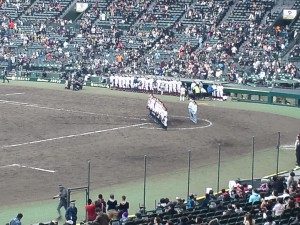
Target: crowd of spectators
{"type": "Point", "coordinates": [200, 45]}
{"type": "Point", "coordinates": [275, 201]}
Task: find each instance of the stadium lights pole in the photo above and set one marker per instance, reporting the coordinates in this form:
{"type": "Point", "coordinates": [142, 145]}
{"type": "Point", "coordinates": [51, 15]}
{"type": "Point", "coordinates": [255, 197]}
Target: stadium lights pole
{"type": "Point", "coordinates": [253, 155]}
{"type": "Point", "coordinates": [219, 162]}
{"type": "Point", "coordinates": [145, 178]}
{"type": "Point", "coordinates": [189, 174]}
{"type": "Point", "coordinates": [278, 148]}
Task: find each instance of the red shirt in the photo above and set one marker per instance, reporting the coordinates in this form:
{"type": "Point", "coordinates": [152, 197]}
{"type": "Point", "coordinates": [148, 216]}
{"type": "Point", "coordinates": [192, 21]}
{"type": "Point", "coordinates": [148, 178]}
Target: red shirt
{"type": "Point", "coordinates": [11, 25]}
{"type": "Point", "coordinates": [91, 212]}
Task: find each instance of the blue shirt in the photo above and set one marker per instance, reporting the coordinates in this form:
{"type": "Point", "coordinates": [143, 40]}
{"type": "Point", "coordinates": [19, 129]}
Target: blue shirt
{"type": "Point", "coordinates": [15, 221]}
{"type": "Point", "coordinates": [254, 198]}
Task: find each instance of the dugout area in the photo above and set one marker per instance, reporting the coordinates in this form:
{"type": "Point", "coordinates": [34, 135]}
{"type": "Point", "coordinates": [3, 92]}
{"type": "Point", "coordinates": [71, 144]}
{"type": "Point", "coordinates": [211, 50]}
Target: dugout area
{"type": "Point", "coordinates": [61, 130]}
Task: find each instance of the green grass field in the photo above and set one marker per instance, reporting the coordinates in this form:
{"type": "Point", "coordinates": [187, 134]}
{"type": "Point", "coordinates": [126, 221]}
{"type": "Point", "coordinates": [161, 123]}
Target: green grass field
{"type": "Point", "coordinates": [164, 185]}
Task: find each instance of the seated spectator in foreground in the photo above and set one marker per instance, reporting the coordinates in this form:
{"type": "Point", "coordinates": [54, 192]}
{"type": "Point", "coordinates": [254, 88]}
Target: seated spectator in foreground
{"type": "Point", "coordinates": [296, 220]}
{"type": "Point", "coordinates": [270, 221]}
{"type": "Point", "coordinates": [225, 197]}
{"type": "Point", "coordinates": [255, 197]}
{"type": "Point", "coordinates": [157, 221]}
{"type": "Point", "coordinates": [124, 218]}
{"type": "Point", "coordinates": [237, 208]}
{"type": "Point", "coordinates": [248, 219]}
{"type": "Point", "coordinates": [191, 202]}
{"type": "Point", "coordinates": [171, 210]}
{"type": "Point", "coordinates": [101, 218]}
{"type": "Point", "coordinates": [278, 209]}
{"type": "Point", "coordinates": [268, 211]}
{"type": "Point", "coordinates": [230, 210]}
{"type": "Point", "coordinates": [290, 204]}
{"type": "Point", "coordinates": [206, 201]}
{"type": "Point", "coordinates": [180, 204]}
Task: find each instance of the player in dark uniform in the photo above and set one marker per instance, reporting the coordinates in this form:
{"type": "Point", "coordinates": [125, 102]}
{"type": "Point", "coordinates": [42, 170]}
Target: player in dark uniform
{"type": "Point", "coordinates": [5, 76]}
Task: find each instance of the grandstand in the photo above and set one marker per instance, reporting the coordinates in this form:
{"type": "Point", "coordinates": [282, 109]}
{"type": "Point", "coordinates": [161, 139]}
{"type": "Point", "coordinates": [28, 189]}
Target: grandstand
{"type": "Point", "coordinates": [182, 38]}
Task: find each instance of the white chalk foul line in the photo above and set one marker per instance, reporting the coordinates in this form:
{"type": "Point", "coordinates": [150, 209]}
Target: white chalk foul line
{"type": "Point", "coordinates": [14, 94]}
{"type": "Point", "coordinates": [182, 128]}
{"type": "Point", "coordinates": [29, 167]}
{"type": "Point", "coordinates": [74, 135]}
{"type": "Point", "coordinates": [67, 110]}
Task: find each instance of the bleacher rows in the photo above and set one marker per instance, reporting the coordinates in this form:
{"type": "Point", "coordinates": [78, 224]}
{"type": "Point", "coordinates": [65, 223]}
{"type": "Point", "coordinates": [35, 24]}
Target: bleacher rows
{"type": "Point", "coordinates": [123, 22]}
{"type": "Point", "coordinates": [207, 215]}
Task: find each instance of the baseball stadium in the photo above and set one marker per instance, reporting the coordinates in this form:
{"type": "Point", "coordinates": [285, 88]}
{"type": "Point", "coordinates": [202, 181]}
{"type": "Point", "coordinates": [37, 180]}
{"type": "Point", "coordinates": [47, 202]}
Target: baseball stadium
{"type": "Point", "coordinates": [75, 82]}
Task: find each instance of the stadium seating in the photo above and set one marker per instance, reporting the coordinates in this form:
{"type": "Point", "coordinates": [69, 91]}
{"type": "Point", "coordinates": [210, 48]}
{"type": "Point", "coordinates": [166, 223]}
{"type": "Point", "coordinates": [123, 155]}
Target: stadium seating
{"type": "Point", "coordinates": [176, 38]}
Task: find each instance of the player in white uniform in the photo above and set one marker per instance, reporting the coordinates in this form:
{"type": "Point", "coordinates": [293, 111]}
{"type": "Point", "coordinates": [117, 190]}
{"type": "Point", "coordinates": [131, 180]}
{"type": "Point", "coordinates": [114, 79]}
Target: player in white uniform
{"type": "Point", "coordinates": [214, 93]}
{"type": "Point", "coordinates": [151, 80]}
{"type": "Point", "coordinates": [182, 93]}
{"type": "Point", "coordinates": [220, 92]}
{"type": "Point", "coordinates": [178, 87]}
{"type": "Point", "coordinates": [112, 81]}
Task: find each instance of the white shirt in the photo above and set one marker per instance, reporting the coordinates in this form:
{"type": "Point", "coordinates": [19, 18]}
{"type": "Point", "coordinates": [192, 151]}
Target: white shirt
{"type": "Point", "coordinates": [192, 107]}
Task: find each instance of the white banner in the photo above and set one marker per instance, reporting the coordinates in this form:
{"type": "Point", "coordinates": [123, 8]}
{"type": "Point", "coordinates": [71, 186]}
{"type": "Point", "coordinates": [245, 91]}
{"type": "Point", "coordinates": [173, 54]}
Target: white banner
{"type": "Point", "coordinates": [81, 7]}
{"type": "Point", "coordinates": [289, 14]}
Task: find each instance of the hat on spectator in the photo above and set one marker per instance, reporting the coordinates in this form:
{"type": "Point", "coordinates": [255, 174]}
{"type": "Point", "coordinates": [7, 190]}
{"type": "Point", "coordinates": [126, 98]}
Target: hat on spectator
{"type": "Point", "coordinates": [125, 214]}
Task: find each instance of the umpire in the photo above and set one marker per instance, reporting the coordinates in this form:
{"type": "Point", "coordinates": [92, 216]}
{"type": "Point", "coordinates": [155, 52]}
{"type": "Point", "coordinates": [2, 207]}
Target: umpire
{"type": "Point", "coordinates": [5, 76]}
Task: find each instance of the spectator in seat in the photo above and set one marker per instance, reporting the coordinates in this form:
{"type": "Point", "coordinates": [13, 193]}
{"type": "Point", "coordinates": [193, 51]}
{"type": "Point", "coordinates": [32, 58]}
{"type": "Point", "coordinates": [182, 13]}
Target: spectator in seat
{"type": "Point", "coordinates": [237, 208]}
{"type": "Point", "coordinates": [278, 209]}
{"type": "Point", "coordinates": [268, 211]}
{"type": "Point", "coordinates": [230, 210]}
{"type": "Point", "coordinates": [101, 218]}
{"type": "Point", "coordinates": [225, 197]}
{"type": "Point", "coordinates": [157, 221]}
{"type": "Point", "coordinates": [180, 204]}
{"type": "Point", "coordinates": [206, 201]}
{"type": "Point", "coordinates": [255, 197]}
{"type": "Point", "coordinates": [191, 202]}
{"type": "Point", "coordinates": [248, 219]}
{"type": "Point", "coordinates": [111, 203]}
{"type": "Point", "coordinates": [290, 203]}
{"type": "Point", "coordinates": [171, 210]}
{"type": "Point", "coordinates": [270, 221]}
{"type": "Point", "coordinates": [296, 220]}
{"type": "Point", "coordinates": [124, 218]}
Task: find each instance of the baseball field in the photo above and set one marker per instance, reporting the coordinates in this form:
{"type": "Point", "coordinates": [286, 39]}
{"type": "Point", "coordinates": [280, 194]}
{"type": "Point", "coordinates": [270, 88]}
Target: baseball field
{"type": "Point", "coordinates": [48, 134]}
